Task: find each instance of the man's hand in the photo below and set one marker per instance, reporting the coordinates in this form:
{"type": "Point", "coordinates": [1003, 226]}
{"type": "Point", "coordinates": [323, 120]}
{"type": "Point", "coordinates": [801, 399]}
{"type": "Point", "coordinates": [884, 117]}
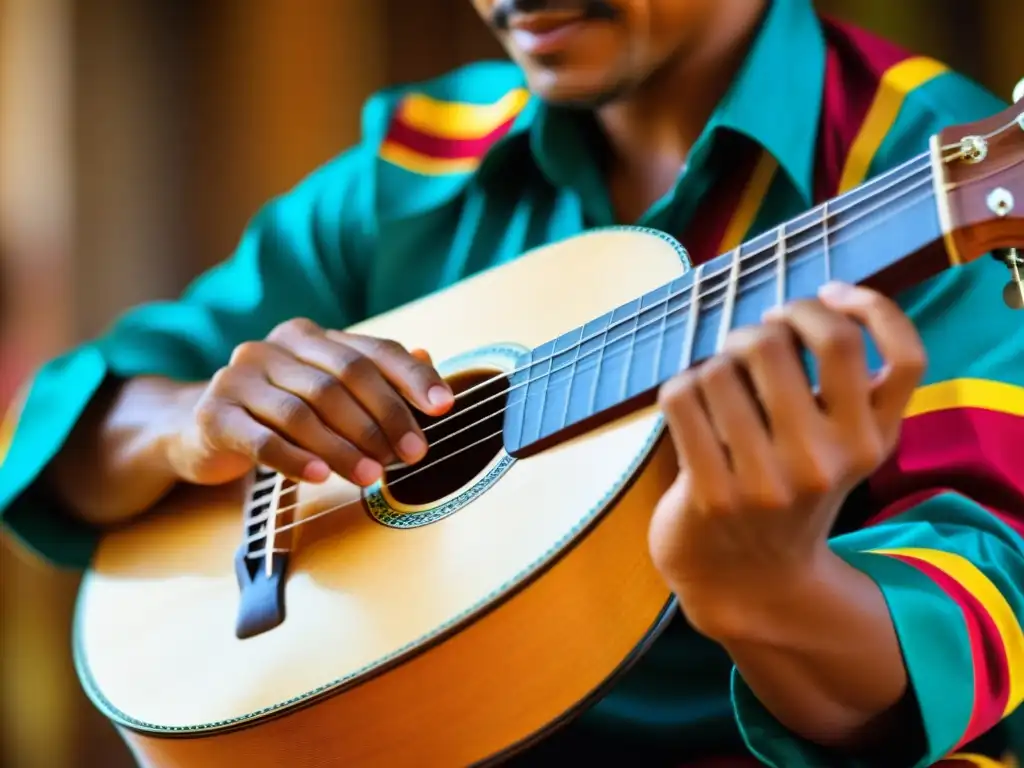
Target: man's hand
{"type": "Point", "coordinates": [308, 401]}
{"type": "Point", "coordinates": [765, 463]}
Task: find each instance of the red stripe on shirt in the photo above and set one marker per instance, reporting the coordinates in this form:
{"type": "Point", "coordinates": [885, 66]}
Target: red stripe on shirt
{"type": "Point", "coordinates": [972, 451]}
{"type": "Point", "coordinates": [715, 211]}
{"type": "Point", "coordinates": [988, 654]}
{"type": "Point", "coordinates": [441, 147]}
{"type": "Point", "coordinates": [855, 62]}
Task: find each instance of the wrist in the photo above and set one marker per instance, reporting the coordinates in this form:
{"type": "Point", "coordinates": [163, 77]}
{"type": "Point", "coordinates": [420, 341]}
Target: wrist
{"type": "Point", "coordinates": [173, 424]}
{"type": "Point", "coordinates": [765, 605]}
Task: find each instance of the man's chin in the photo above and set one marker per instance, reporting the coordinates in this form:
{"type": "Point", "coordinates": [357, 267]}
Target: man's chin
{"type": "Point", "coordinates": [571, 89]}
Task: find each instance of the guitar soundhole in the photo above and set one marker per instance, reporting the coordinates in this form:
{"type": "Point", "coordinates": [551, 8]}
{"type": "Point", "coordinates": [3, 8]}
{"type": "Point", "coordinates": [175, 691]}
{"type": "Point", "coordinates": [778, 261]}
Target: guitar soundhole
{"type": "Point", "coordinates": [463, 443]}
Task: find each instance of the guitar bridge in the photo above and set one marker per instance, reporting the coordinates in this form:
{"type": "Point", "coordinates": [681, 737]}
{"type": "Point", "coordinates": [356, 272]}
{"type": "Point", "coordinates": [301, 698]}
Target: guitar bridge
{"type": "Point", "coordinates": [262, 558]}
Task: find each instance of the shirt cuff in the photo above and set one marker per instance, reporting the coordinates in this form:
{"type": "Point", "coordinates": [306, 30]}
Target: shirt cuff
{"type": "Point", "coordinates": [36, 431]}
{"type": "Point", "coordinates": [937, 653]}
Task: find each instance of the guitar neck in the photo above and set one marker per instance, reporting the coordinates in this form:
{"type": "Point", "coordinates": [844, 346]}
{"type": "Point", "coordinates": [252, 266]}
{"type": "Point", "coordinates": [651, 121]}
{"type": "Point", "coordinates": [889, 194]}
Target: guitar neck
{"type": "Point", "coordinates": [885, 234]}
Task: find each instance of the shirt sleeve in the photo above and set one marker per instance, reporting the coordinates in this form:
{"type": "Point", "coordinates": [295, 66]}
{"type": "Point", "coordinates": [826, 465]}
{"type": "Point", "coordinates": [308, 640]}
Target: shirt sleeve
{"type": "Point", "coordinates": [302, 255]}
{"type": "Point", "coordinates": [942, 530]}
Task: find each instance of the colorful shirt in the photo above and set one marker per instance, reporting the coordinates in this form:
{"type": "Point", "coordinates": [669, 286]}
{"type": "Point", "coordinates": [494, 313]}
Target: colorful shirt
{"type": "Point", "coordinates": [467, 171]}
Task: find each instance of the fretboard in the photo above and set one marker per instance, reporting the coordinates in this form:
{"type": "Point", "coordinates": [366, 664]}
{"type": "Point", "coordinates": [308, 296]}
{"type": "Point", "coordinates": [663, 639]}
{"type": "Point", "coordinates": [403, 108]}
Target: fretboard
{"type": "Point", "coordinates": [885, 233]}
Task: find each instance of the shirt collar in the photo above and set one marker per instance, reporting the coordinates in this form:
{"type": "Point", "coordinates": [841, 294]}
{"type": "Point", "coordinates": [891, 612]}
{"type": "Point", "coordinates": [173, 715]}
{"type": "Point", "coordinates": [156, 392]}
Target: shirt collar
{"type": "Point", "coordinates": [775, 100]}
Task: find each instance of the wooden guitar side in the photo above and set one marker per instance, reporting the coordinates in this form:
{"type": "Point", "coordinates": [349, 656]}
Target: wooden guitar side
{"type": "Point", "coordinates": [443, 644]}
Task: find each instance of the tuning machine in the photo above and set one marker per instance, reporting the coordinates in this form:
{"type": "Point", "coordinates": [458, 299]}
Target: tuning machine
{"type": "Point", "coordinates": [1013, 291]}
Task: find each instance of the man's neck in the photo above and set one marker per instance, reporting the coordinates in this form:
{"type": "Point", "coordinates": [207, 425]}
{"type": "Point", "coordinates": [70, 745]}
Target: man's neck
{"type": "Point", "coordinates": [650, 132]}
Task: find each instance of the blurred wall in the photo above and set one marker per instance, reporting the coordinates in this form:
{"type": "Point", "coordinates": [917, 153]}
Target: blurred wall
{"type": "Point", "coordinates": [138, 136]}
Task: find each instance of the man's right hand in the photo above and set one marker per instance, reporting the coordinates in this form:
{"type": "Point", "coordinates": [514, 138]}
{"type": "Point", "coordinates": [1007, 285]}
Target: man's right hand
{"type": "Point", "coordinates": [306, 402]}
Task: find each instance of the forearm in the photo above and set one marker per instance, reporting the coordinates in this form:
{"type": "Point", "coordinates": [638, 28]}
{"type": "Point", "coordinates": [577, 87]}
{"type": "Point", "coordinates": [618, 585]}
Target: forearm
{"type": "Point", "coordinates": [115, 463]}
{"type": "Point", "coordinates": [822, 656]}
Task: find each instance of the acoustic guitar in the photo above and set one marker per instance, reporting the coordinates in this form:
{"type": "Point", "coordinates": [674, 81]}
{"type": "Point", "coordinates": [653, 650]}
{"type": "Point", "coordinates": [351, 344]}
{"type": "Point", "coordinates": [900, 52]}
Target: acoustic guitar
{"type": "Point", "coordinates": [468, 605]}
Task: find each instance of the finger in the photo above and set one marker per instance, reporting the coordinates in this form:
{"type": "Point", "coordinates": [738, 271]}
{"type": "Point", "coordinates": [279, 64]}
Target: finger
{"type": "Point", "coordinates": [365, 382]}
{"type": "Point", "coordinates": [697, 446]}
{"type": "Point", "coordinates": [417, 380]}
{"type": "Point", "coordinates": [233, 429]}
{"type": "Point", "coordinates": [738, 421]}
{"type": "Point", "coordinates": [422, 355]}
{"type": "Point", "coordinates": [332, 402]}
{"type": "Point", "coordinates": [291, 417]}
{"type": "Point", "coordinates": [769, 354]}
{"type": "Point", "coordinates": [836, 343]}
{"type": "Point", "coordinates": [897, 341]}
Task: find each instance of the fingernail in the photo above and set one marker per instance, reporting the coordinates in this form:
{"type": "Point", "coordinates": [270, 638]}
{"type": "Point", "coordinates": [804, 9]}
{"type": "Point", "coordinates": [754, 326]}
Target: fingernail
{"type": "Point", "coordinates": [367, 472]}
{"type": "Point", "coordinates": [837, 290]}
{"type": "Point", "coordinates": [411, 447]}
{"type": "Point", "coordinates": [438, 396]}
{"type": "Point", "coordinates": [772, 313]}
{"type": "Point", "coordinates": [316, 472]}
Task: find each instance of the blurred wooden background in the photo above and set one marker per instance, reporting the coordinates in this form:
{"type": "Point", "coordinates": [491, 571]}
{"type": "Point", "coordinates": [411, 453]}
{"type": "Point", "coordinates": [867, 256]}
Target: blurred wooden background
{"type": "Point", "coordinates": [138, 136]}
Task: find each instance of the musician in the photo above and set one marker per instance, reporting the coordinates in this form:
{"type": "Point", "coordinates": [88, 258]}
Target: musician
{"type": "Point", "coordinates": [849, 564]}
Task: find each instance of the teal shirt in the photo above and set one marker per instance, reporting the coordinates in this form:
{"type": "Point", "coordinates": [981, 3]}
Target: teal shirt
{"type": "Point", "coordinates": [464, 173]}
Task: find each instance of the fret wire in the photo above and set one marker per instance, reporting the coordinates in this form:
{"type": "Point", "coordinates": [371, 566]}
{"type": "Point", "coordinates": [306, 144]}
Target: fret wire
{"type": "Point", "coordinates": [662, 327]}
{"type": "Point", "coordinates": [692, 317]}
{"type": "Point", "coordinates": [725, 324]}
{"type": "Point", "coordinates": [572, 377]}
{"type": "Point", "coordinates": [781, 265]}
{"type": "Point", "coordinates": [824, 226]}
{"type": "Point", "coordinates": [543, 389]}
{"type": "Point", "coordinates": [597, 367]}
{"type": "Point", "coordinates": [631, 350]}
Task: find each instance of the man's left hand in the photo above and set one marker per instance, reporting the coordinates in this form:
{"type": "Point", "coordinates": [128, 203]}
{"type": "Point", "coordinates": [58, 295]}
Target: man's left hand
{"type": "Point", "coordinates": [766, 461]}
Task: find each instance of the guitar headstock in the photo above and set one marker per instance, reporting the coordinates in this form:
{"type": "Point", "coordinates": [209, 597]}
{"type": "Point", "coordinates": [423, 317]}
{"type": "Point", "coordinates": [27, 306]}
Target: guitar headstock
{"type": "Point", "coordinates": [980, 175]}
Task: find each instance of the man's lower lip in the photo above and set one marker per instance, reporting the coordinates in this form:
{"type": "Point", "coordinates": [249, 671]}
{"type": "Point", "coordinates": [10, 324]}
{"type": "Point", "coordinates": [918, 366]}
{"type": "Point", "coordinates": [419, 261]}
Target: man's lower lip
{"type": "Point", "coordinates": [537, 43]}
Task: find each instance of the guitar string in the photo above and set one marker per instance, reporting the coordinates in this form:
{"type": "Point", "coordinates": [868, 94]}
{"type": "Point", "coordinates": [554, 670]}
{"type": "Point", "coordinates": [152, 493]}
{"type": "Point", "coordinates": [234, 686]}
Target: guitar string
{"type": "Point", "coordinates": [705, 291]}
{"type": "Point", "coordinates": [891, 178]}
{"type": "Point", "coordinates": [890, 175]}
{"type": "Point", "coordinates": [634, 332]}
{"type": "Point", "coordinates": [746, 258]}
{"type": "Point", "coordinates": [832, 235]}
{"type": "Point", "coordinates": [633, 336]}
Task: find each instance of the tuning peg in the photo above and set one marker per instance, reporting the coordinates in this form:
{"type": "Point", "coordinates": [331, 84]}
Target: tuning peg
{"type": "Point", "coordinates": [1013, 291]}
{"type": "Point", "coordinates": [1018, 92]}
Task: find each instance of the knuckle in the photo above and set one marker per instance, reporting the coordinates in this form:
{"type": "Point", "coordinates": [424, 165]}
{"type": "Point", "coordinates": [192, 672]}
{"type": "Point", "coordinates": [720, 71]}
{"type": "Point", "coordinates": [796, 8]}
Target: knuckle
{"type": "Point", "coordinates": [771, 342]}
{"type": "Point", "coordinates": [293, 411]}
{"type": "Point", "coordinates": [320, 387]}
{"type": "Point", "coordinates": [220, 380]}
{"type": "Point", "coordinates": [263, 445]}
{"type": "Point", "coordinates": [816, 478]}
{"type": "Point", "coordinates": [370, 436]}
{"type": "Point", "coordinates": [717, 503]}
{"type": "Point", "coordinates": [296, 327]}
{"type": "Point", "coordinates": [396, 416]}
{"type": "Point", "coordinates": [844, 339]}
{"type": "Point", "coordinates": [352, 367]}
{"type": "Point", "coordinates": [716, 370]}
{"type": "Point", "coordinates": [740, 341]}
{"type": "Point", "coordinates": [388, 347]}
{"type": "Point", "coordinates": [914, 361]}
{"type": "Point", "coordinates": [677, 389]}
{"type": "Point", "coordinates": [207, 414]}
{"type": "Point", "coordinates": [868, 455]}
{"type": "Point", "coordinates": [774, 497]}
{"type": "Point", "coordinates": [247, 352]}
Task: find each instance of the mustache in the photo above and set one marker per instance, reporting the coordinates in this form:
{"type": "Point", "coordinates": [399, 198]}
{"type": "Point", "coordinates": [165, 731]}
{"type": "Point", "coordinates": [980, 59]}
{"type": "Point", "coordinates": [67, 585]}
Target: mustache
{"type": "Point", "coordinates": [589, 9]}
